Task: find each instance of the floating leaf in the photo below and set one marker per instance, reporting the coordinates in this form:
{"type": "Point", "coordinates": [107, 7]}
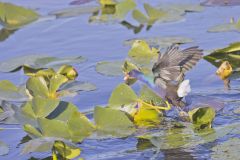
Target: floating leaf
{"type": "Point", "coordinates": [139, 16]}
{"type": "Point", "coordinates": [68, 151]}
{"type": "Point", "coordinates": [42, 107]}
{"type": "Point", "coordinates": [232, 26]}
{"type": "Point", "coordinates": [80, 2]}
{"type": "Point", "coordinates": [12, 16]}
{"type": "Point", "coordinates": [220, 2]}
{"type": "Point", "coordinates": [112, 68]}
{"type": "Point", "coordinates": [141, 52]}
{"type": "Point", "coordinates": [54, 128]}
{"type": "Point", "coordinates": [32, 131]}
{"type": "Point", "coordinates": [37, 62]}
{"type": "Point", "coordinates": [122, 95]}
{"type": "Point", "coordinates": [45, 144]}
{"type": "Point", "coordinates": [149, 96]}
{"type": "Point", "coordinates": [147, 117]}
{"type": "Point", "coordinates": [4, 149]}
{"type": "Point", "coordinates": [227, 150]}
{"type": "Point", "coordinates": [7, 113]}
{"type": "Point", "coordinates": [113, 122]}
{"type": "Point", "coordinates": [76, 11]}
{"type": "Point", "coordinates": [79, 126]}
{"type": "Point", "coordinates": [37, 86]}
{"type": "Point", "coordinates": [161, 42]}
{"type": "Point", "coordinates": [202, 117]}
{"type": "Point", "coordinates": [107, 2]}
{"type": "Point", "coordinates": [10, 92]}
{"type": "Point", "coordinates": [123, 7]}
{"type": "Point", "coordinates": [229, 54]}
{"type": "Point", "coordinates": [76, 86]}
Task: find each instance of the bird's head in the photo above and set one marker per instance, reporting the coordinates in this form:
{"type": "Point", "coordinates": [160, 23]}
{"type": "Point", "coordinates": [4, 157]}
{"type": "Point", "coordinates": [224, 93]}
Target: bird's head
{"type": "Point", "coordinates": [131, 76]}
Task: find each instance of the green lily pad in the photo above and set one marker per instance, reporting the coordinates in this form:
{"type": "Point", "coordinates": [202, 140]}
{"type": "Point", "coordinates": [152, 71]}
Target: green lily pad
{"type": "Point", "coordinates": [45, 144]}
{"type": "Point", "coordinates": [111, 68]}
{"type": "Point", "coordinates": [37, 86]}
{"type": "Point", "coordinates": [42, 107]}
{"type": "Point", "coordinates": [66, 150]}
{"type": "Point", "coordinates": [113, 122]}
{"type": "Point", "coordinates": [227, 150]}
{"type": "Point", "coordinates": [220, 3]}
{"type": "Point", "coordinates": [123, 7]}
{"type": "Point", "coordinates": [122, 95]}
{"type": "Point", "coordinates": [54, 128]}
{"type": "Point", "coordinates": [227, 27]}
{"type": "Point", "coordinates": [37, 62]}
{"type": "Point", "coordinates": [12, 16]}
{"type": "Point", "coordinates": [229, 54]}
{"type": "Point", "coordinates": [79, 126]}
{"type": "Point", "coordinates": [161, 42]}
{"type": "Point", "coordinates": [10, 92]}
{"type": "Point", "coordinates": [186, 137]}
{"type": "Point", "coordinates": [7, 113]}
{"type": "Point", "coordinates": [147, 95]}
{"type": "Point", "coordinates": [74, 12]}
{"type": "Point", "coordinates": [76, 86]}
{"type": "Point", "coordinates": [147, 117]}
{"type": "Point", "coordinates": [202, 117]}
{"type": "Point", "coordinates": [113, 12]}
{"type": "Point", "coordinates": [139, 16]}
{"type": "Point", "coordinates": [4, 149]}
{"type": "Point", "coordinates": [141, 53]}
{"type": "Point", "coordinates": [51, 118]}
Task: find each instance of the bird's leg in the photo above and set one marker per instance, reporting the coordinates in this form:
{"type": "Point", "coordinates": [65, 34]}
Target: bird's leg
{"type": "Point", "coordinates": [227, 84]}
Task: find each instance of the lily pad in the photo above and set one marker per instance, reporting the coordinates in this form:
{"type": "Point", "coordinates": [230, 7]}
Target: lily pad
{"type": "Point", "coordinates": [48, 88]}
{"type": "Point", "coordinates": [122, 95]}
{"type": "Point", "coordinates": [76, 86]}
{"type": "Point", "coordinates": [113, 122]}
{"type": "Point", "coordinates": [65, 148]}
{"type": "Point", "coordinates": [112, 11]}
{"type": "Point", "coordinates": [161, 42]}
{"type": "Point", "coordinates": [80, 2]}
{"type": "Point", "coordinates": [12, 16]}
{"type": "Point", "coordinates": [109, 68]}
{"type": "Point", "coordinates": [229, 54]}
{"type": "Point", "coordinates": [7, 113]}
{"type": "Point", "coordinates": [227, 150]}
{"type": "Point", "coordinates": [4, 149]}
{"type": "Point", "coordinates": [147, 117]}
{"type": "Point", "coordinates": [141, 53]}
{"type": "Point", "coordinates": [153, 15]}
{"type": "Point", "coordinates": [76, 11]}
{"type": "Point", "coordinates": [149, 96]}
{"type": "Point", "coordinates": [232, 26]}
{"type": "Point", "coordinates": [37, 62]}
{"type": "Point", "coordinates": [220, 2]}
{"type": "Point", "coordinates": [202, 117]}
{"type": "Point", "coordinates": [55, 119]}
{"type": "Point", "coordinates": [10, 92]}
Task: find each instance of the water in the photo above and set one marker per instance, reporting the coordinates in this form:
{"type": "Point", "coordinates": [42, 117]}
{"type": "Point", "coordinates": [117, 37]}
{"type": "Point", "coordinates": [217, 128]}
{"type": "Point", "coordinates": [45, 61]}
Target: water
{"type": "Point", "coordinates": [102, 42]}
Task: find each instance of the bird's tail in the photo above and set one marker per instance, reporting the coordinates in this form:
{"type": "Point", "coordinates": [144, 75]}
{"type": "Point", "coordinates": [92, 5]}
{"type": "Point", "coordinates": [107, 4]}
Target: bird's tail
{"type": "Point", "coordinates": [184, 88]}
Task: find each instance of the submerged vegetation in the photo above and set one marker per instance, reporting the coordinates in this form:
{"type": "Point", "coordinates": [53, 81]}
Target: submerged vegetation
{"type": "Point", "coordinates": [56, 126]}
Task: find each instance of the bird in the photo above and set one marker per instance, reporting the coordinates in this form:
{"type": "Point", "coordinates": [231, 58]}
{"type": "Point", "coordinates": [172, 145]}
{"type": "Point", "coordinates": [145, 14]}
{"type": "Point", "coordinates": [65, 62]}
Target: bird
{"type": "Point", "coordinates": [169, 70]}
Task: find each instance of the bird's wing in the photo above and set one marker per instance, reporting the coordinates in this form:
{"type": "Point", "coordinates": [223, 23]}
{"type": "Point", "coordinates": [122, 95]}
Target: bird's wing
{"type": "Point", "coordinates": [172, 65]}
